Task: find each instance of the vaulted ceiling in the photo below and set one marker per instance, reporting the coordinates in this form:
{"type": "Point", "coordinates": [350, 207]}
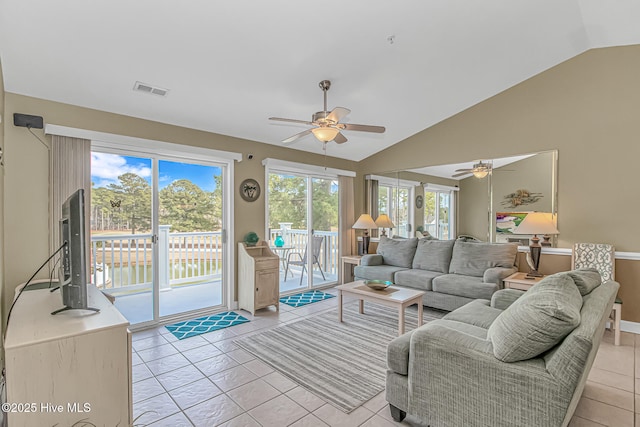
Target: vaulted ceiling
{"type": "Point", "coordinates": [231, 65]}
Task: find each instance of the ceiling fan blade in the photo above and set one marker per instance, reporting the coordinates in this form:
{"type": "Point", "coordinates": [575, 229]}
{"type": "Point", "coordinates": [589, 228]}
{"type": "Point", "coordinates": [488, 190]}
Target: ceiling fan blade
{"type": "Point", "coordinates": [364, 128]}
{"type": "Point", "coordinates": [463, 170]}
{"type": "Point", "coordinates": [295, 137]}
{"type": "Point", "coordinates": [280, 119]}
{"type": "Point", "coordinates": [338, 113]}
{"type": "Point", "coordinates": [460, 174]}
{"type": "Point", "coordinates": [340, 138]}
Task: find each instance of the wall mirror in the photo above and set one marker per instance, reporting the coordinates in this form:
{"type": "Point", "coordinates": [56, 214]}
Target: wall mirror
{"type": "Point", "coordinates": [484, 198]}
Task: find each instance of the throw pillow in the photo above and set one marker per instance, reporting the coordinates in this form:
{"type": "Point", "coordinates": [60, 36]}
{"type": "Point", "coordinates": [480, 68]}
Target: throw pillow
{"type": "Point", "coordinates": [538, 320]}
{"type": "Point", "coordinates": [397, 252]}
{"type": "Point", "coordinates": [586, 279]}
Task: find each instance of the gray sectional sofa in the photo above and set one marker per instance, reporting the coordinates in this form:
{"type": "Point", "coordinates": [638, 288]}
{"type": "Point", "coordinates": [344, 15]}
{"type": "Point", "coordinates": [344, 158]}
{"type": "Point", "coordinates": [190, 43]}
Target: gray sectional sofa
{"type": "Point", "coordinates": [521, 359]}
{"type": "Point", "coordinates": [452, 272]}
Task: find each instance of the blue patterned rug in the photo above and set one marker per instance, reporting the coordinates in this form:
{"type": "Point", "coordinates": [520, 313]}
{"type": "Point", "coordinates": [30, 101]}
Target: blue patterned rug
{"type": "Point", "coordinates": [202, 325]}
{"type": "Point", "coordinates": [305, 298]}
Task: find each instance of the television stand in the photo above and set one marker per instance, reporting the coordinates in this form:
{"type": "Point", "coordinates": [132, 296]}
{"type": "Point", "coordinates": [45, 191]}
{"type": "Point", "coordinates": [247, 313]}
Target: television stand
{"type": "Point", "coordinates": [97, 310]}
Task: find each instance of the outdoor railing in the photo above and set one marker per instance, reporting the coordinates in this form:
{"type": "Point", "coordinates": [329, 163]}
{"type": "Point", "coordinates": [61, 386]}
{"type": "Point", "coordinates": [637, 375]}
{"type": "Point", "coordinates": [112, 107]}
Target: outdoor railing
{"type": "Point", "coordinates": [329, 254]}
{"type": "Point", "coordinates": [125, 261]}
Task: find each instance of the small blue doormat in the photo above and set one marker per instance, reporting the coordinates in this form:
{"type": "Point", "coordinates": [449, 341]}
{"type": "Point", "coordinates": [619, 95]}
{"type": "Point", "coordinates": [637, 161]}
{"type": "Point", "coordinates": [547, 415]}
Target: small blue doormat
{"type": "Point", "coordinates": [305, 298]}
{"type": "Point", "coordinates": [202, 325]}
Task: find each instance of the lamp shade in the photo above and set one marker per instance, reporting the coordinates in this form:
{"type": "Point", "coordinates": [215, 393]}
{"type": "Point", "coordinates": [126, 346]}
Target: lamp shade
{"type": "Point", "coordinates": [537, 223]}
{"type": "Point", "coordinates": [325, 134]}
{"type": "Point", "coordinates": [365, 222]}
{"type": "Point", "coordinates": [383, 221]}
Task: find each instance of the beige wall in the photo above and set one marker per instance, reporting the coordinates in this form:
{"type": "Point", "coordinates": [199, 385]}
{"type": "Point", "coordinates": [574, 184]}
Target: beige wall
{"type": "Point", "coordinates": [588, 109]}
{"type": "Point", "coordinates": [2, 125]}
{"type": "Point", "coordinates": [26, 195]}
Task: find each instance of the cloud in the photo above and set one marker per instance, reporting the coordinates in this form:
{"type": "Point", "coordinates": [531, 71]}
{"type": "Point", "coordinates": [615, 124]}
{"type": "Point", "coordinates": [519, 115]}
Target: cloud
{"type": "Point", "coordinates": [105, 168]}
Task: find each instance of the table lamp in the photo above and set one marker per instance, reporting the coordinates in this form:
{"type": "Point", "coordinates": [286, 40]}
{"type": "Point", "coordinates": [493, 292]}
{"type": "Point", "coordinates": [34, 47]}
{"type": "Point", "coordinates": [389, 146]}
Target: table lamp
{"type": "Point", "coordinates": [536, 223]}
{"type": "Point", "coordinates": [366, 223]}
{"type": "Point", "coordinates": [383, 221]}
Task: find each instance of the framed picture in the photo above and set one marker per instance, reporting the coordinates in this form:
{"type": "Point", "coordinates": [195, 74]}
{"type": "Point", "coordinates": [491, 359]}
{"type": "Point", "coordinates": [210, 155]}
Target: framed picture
{"type": "Point", "coordinates": [419, 201]}
{"type": "Point", "coordinates": [506, 222]}
{"type": "Point", "coordinates": [250, 190]}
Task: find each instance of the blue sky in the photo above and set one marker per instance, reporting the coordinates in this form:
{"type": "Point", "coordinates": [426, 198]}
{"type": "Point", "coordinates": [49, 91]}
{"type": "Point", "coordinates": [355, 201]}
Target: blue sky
{"type": "Point", "coordinates": [105, 169]}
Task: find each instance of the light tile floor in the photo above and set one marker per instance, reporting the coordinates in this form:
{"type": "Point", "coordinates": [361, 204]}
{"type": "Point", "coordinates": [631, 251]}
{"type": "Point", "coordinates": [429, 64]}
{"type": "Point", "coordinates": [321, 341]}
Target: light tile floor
{"type": "Point", "coordinates": [208, 381]}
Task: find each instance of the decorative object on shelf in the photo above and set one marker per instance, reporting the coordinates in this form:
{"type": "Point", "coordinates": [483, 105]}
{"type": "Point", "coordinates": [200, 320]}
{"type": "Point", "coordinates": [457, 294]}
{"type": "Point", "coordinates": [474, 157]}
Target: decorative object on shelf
{"type": "Point", "coordinates": [378, 285]}
{"type": "Point", "coordinates": [383, 221]}
{"type": "Point", "coordinates": [251, 238]}
{"type": "Point", "coordinates": [250, 190]}
{"type": "Point", "coordinates": [366, 223]}
{"type": "Point", "coordinates": [536, 223]}
{"type": "Point", "coordinates": [279, 241]}
{"type": "Point", "coordinates": [520, 198]}
{"type": "Point", "coordinates": [419, 201]}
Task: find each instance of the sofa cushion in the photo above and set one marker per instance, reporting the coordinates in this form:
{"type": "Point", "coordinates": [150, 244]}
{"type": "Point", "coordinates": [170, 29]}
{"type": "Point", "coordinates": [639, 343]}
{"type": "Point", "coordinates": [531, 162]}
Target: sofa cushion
{"type": "Point", "coordinates": [418, 279]}
{"type": "Point", "coordinates": [376, 272]}
{"type": "Point", "coordinates": [464, 286]}
{"type": "Point", "coordinates": [433, 255]}
{"type": "Point", "coordinates": [538, 320]}
{"type": "Point", "coordinates": [397, 252]}
{"type": "Point", "coordinates": [586, 279]}
{"type": "Point", "coordinates": [477, 313]}
{"type": "Point", "coordinates": [472, 259]}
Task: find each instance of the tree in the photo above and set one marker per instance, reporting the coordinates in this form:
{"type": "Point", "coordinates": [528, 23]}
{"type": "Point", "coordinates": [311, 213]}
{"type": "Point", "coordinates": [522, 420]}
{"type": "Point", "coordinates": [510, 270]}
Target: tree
{"type": "Point", "coordinates": [133, 197]}
{"type": "Point", "coordinates": [186, 207]}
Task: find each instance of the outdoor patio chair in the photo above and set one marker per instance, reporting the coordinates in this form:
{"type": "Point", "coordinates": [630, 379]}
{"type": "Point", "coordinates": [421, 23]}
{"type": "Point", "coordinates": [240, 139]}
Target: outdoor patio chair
{"type": "Point", "coordinates": [316, 246]}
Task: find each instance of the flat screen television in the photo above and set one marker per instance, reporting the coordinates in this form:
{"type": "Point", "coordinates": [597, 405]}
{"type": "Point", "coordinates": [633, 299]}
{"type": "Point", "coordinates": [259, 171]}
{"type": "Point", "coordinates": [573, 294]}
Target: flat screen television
{"type": "Point", "coordinates": [73, 266]}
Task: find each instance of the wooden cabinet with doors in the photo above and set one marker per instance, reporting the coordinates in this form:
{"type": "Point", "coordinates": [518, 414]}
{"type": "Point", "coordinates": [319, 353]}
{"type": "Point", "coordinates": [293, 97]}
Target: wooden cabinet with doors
{"type": "Point", "coordinates": [258, 277]}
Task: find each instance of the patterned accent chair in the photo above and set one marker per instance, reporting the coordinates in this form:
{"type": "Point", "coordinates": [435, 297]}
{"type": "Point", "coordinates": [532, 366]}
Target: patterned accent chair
{"type": "Point", "coordinates": [601, 257]}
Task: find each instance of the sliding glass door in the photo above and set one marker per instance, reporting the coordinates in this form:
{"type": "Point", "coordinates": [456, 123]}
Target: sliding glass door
{"type": "Point", "coordinates": [303, 228]}
{"type": "Point", "coordinates": [157, 234]}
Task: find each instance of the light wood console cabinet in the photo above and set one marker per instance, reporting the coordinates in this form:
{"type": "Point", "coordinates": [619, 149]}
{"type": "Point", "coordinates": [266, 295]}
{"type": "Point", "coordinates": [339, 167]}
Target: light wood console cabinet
{"type": "Point", "coordinates": [258, 277]}
{"type": "Point", "coordinates": [70, 367]}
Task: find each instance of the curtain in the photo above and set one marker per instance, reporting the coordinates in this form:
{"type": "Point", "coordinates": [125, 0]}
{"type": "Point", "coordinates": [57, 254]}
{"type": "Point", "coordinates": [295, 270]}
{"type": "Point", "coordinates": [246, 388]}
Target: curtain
{"type": "Point", "coordinates": [347, 216]}
{"type": "Point", "coordinates": [69, 170]}
{"type": "Point", "coordinates": [374, 192]}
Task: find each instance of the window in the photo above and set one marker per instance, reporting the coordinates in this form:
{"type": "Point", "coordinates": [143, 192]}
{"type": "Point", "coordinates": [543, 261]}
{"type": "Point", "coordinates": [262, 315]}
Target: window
{"type": "Point", "coordinates": [439, 211]}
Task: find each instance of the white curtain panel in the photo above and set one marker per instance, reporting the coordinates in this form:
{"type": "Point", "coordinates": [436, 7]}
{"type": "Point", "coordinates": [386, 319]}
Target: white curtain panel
{"type": "Point", "coordinates": [70, 170]}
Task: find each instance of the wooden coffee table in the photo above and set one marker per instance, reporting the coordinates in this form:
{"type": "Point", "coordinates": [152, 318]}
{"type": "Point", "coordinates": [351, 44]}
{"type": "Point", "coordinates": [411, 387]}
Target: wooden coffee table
{"type": "Point", "coordinates": [392, 296]}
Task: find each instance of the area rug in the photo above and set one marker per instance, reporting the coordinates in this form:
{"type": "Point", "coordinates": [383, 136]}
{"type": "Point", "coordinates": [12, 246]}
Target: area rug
{"type": "Point", "coordinates": [202, 325]}
{"type": "Point", "coordinates": [305, 298]}
{"type": "Point", "coordinates": [343, 363]}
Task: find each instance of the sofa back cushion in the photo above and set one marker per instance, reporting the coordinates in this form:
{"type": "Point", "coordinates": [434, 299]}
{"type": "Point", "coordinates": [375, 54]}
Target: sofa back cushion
{"type": "Point", "coordinates": [538, 320]}
{"type": "Point", "coordinates": [472, 259]}
{"type": "Point", "coordinates": [397, 252]}
{"type": "Point", "coordinates": [433, 255]}
{"type": "Point", "coordinates": [586, 279]}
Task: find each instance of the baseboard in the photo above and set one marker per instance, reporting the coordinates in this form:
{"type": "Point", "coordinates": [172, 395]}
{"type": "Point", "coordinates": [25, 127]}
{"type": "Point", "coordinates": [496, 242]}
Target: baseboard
{"type": "Point", "coordinates": [633, 327]}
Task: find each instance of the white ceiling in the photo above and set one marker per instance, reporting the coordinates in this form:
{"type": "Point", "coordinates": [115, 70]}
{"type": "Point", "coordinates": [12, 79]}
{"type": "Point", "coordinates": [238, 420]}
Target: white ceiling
{"type": "Point", "coordinates": [447, 171]}
{"type": "Point", "coordinates": [230, 65]}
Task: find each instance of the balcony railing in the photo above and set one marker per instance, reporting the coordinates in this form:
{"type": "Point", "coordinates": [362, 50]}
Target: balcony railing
{"type": "Point", "coordinates": [123, 262]}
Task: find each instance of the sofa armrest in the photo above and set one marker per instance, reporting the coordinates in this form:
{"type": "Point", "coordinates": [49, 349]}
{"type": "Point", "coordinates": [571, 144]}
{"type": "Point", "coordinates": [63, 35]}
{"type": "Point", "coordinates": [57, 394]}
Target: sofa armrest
{"type": "Point", "coordinates": [505, 297]}
{"type": "Point", "coordinates": [373, 259]}
{"type": "Point", "coordinates": [455, 380]}
{"type": "Point", "coordinates": [497, 274]}
{"type": "Point", "coordinates": [398, 354]}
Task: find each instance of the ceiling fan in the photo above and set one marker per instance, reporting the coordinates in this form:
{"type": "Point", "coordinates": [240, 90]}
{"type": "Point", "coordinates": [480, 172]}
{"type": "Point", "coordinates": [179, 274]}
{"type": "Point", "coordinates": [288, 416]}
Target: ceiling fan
{"type": "Point", "coordinates": [327, 124]}
{"type": "Point", "coordinates": [479, 170]}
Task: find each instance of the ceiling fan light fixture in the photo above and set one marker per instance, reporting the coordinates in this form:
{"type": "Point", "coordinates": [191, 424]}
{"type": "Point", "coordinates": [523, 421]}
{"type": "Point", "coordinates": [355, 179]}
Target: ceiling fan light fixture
{"type": "Point", "coordinates": [325, 134]}
{"type": "Point", "coordinates": [481, 173]}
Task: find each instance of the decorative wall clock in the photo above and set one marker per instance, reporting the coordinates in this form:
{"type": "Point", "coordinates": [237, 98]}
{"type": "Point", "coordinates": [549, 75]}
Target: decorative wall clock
{"type": "Point", "coordinates": [250, 190]}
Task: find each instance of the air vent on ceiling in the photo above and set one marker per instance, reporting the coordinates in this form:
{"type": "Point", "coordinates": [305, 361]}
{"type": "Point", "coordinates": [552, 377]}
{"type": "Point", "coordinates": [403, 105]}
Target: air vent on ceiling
{"type": "Point", "coordinates": [147, 88]}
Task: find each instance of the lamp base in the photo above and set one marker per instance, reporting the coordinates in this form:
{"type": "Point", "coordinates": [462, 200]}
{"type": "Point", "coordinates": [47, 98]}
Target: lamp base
{"type": "Point", "coordinates": [533, 275]}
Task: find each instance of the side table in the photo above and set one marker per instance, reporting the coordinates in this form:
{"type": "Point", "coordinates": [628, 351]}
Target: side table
{"type": "Point", "coordinates": [518, 281]}
{"type": "Point", "coordinates": [348, 262]}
